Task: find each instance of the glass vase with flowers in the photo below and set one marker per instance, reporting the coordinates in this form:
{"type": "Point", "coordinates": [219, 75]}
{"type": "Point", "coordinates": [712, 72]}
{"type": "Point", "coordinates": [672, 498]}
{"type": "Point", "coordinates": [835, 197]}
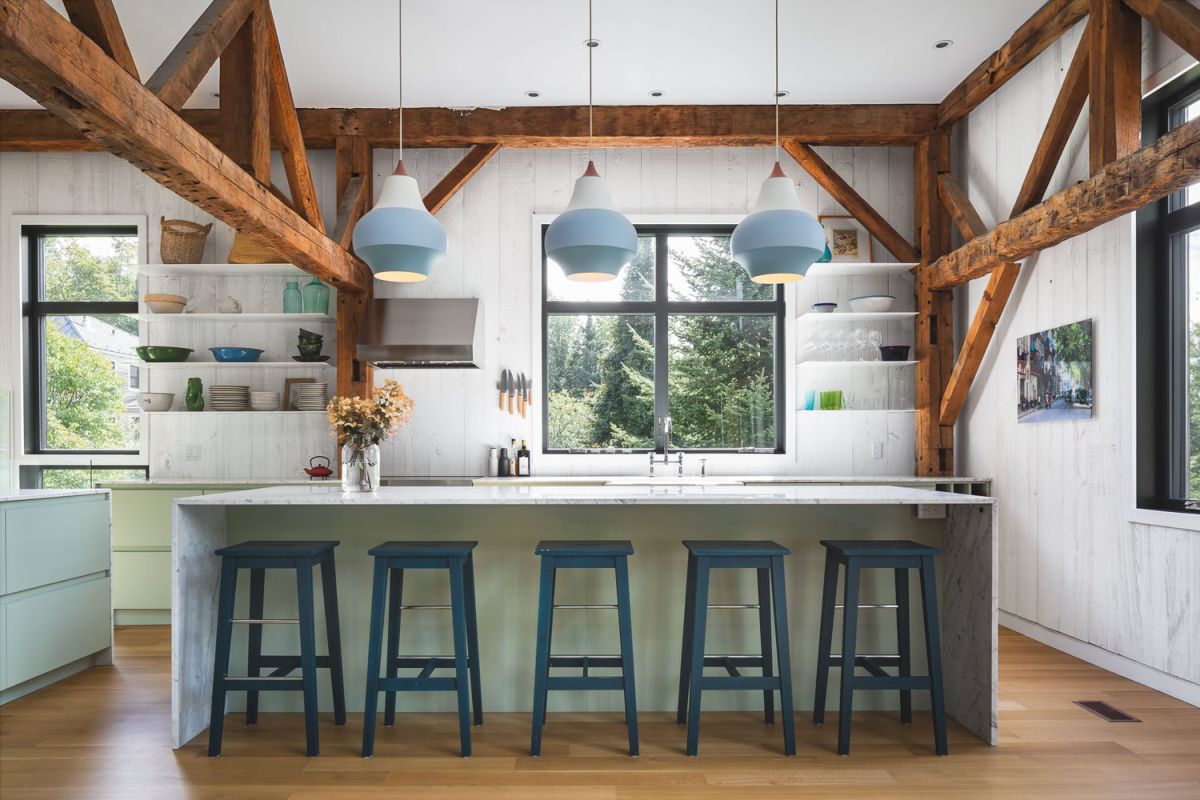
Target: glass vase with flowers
{"type": "Point", "coordinates": [361, 423]}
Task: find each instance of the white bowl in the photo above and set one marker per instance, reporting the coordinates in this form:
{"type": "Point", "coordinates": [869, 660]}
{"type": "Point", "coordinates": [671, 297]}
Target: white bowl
{"type": "Point", "coordinates": [264, 406]}
{"type": "Point", "coordinates": [155, 401]}
{"type": "Point", "coordinates": [872, 303]}
{"type": "Point", "coordinates": [824, 308]}
{"type": "Point", "coordinates": [163, 307]}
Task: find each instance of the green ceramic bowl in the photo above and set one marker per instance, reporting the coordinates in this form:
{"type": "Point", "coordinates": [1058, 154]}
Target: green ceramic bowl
{"type": "Point", "coordinates": [155, 353]}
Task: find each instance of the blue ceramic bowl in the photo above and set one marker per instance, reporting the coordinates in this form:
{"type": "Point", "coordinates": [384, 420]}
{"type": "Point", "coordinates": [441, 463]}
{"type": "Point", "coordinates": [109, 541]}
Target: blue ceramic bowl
{"type": "Point", "coordinates": [237, 354]}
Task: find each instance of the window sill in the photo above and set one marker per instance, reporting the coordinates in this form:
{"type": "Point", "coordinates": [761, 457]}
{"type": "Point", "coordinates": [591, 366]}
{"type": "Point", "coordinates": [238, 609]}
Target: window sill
{"type": "Point", "coordinates": [1180, 520]}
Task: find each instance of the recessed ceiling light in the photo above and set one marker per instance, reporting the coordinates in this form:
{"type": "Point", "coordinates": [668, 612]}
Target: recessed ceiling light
{"type": "Point", "coordinates": [533, 93]}
{"type": "Point", "coordinates": [782, 93]}
{"type": "Point", "coordinates": [942, 44]}
{"type": "Point", "coordinates": [592, 42]}
{"type": "Point", "coordinates": [656, 92]}
{"type": "Point", "coordinates": [216, 94]}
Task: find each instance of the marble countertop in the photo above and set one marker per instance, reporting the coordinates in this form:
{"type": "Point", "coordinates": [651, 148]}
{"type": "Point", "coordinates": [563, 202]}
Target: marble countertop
{"type": "Point", "coordinates": [669, 479]}
{"type": "Point", "coordinates": [166, 483]}
{"type": "Point", "coordinates": [47, 494]}
{"type": "Point", "coordinates": [874, 494]}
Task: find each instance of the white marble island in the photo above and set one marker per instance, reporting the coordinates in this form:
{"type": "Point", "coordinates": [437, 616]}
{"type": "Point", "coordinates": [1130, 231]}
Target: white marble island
{"type": "Point", "coordinates": [509, 520]}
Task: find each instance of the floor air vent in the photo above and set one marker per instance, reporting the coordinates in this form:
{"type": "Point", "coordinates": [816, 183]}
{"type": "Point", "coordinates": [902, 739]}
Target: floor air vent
{"type": "Point", "coordinates": [1105, 711]}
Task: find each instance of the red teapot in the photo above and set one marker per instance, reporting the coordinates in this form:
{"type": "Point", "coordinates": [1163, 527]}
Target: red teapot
{"type": "Point", "coordinates": [316, 470]}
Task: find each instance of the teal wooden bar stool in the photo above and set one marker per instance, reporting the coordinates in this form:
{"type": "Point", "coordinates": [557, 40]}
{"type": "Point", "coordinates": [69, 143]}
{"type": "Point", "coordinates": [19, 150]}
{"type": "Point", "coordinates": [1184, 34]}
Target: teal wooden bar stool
{"type": "Point", "coordinates": [767, 559]}
{"type": "Point", "coordinates": [391, 560]}
{"type": "Point", "coordinates": [612, 555]}
{"type": "Point", "coordinates": [258, 557]}
{"type": "Point", "coordinates": [900, 556]}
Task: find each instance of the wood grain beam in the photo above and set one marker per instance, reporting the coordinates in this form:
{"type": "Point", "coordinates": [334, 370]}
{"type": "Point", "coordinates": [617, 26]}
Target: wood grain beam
{"type": "Point", "coordinates": [1178, 20]}
{"type": "Point", "coordinates": [958, 205]}
{"type": "Point", "coordinates": [550, 126]}
{"type": "Point", "coordinates": [935, 320]}
{"type": "Point", "coordinates": [50, 60]}
{"type": "Point", "coordinates": [352, 156]}
{"type": "Point", "coordinates": [1040, 31]}
{"type": "Point", "coordinates": [181, 72]}
{"type": "Point", "coordinates": [1067, 106]}
{"type": "Point", "coordinates": [457, 177]}
{"type": "Point", "coordinates": [352, 160]}
{"type": "Point", "coordinates": [245, 111]}
{"type": "Point", "coordinates": [1115, 82]}
{"type": "Point", "coordinates": [355, 203]}
{"type": "Point", "coordinates": [354, 378]}
{"type": "Point", "coordinates": [849, 199]}
{"type": "Point", "coordinates": [98, 19]}
{"type": "Point", "coordinates": [1142, 177]}
{"type": "Point", "coordinates": [285, 127]}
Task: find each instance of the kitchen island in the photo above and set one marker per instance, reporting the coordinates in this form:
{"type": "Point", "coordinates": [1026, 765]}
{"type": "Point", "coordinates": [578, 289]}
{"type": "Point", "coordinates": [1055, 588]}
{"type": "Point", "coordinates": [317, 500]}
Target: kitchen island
{"type": "Point", "coordinates": [509, 520]}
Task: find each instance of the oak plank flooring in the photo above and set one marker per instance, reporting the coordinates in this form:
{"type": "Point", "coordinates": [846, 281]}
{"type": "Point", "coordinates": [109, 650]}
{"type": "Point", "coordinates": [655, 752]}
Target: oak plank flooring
{"type": "Point", "coordinates": [105, 734]}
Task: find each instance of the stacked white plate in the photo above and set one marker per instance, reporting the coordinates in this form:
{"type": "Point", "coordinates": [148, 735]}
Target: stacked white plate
{"type": "Point", "coordinates": [229, 398]}
{"type": "Point", "coordinates": [264, 401]}
{"type": "Point", "coordinates": [311, 396]}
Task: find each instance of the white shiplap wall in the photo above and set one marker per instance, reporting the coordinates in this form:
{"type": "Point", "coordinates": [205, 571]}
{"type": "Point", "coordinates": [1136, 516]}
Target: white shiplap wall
{"type": "Point", "coordinates": [1074, 562]}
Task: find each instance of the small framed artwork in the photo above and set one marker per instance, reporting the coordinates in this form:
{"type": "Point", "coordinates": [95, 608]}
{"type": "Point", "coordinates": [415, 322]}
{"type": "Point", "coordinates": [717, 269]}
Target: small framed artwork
{"type": "Point", "coordinates": [1054, 374]}
{"type": "Point", "coordinates": [288, 384]}
{"type": "Point", "coordinates": [848, 240]}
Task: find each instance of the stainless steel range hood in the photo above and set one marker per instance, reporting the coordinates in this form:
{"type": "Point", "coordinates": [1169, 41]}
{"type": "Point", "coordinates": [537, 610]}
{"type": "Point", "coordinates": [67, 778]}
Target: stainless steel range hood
{"type": "Point", "coordinates": [422, 333]}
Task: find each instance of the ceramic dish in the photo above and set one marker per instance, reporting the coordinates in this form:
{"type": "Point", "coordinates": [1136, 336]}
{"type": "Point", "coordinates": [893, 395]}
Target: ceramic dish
{"type": "Point", "coordinates": [155, 401]}
{"type": "Point", "coordinates": [165, 303]}
{"type": "Point", "coordinates": [872, 303]}
{"type": "Point", "coordinates": [235, 354]}
{"type": "Point", "coordinates": [153, 353]}
{"type": "Point", "coordinates": [823, 308]}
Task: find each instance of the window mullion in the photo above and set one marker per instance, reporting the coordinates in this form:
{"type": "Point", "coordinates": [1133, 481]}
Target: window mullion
{"type": "Point", "coordinates": [662, 406]}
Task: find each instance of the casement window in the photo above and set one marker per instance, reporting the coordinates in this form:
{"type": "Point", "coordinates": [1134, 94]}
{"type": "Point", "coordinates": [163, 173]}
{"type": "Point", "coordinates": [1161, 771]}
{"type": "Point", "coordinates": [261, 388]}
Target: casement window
{"type": "Point", "coordinates": [682, 350]}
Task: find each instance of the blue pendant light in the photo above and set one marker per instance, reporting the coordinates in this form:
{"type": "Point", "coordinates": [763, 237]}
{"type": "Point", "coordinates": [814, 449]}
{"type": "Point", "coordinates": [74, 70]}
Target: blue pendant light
{"type": "Point", "coordinates": [778, 241]}
{"type": "Point", "coordinates": [398, 238]}
{"type": "Point", "coordinates": [591, 240]}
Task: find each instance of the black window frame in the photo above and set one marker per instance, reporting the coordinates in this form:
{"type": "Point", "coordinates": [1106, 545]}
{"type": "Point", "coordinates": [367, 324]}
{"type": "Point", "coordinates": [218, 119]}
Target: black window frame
{"type": "Point", "coordinates": [1161, 321]}
{"type": "Point", "coordinates": [662, 308]}
{"type": "Point", "coordinates": [35, 309]}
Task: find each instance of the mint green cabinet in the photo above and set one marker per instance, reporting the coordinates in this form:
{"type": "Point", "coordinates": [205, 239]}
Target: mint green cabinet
{"type": "Point", "coordinates": [48, 629]}
{"type": "Point", "coordinates": [142, 517]}
{"type": "Point", "coordinates": [47, 541]}
{"type": "Point", "coordinates": [141, 582]}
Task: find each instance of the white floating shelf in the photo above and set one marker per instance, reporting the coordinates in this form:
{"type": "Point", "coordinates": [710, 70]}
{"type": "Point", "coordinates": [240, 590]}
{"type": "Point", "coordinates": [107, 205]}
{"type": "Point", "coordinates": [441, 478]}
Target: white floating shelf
{"type": "Point", "coordinates": [235, 318]}
{"type": "Point", "coordinates": [223, 270]}
{"type": "Point", "coordinates": [854, 364]}
{"type": "Point", "coordinates": [228, 413]}
{"type": "Point", "coordinates": [848, 269]}
{"type": "Point", "coordinates": [853, 316]}
{"type": "Point", "coordinates": [856, 411]}
{"type": "Point", "coordinates": [238, 364]}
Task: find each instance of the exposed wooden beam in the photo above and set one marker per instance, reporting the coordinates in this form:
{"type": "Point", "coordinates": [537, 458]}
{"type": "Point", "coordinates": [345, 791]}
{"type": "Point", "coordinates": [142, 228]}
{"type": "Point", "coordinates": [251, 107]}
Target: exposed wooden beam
{"type": "Point", "coordinates": [456, 178]}
{"type": "Point", "coordinates": [354, 378]}
{"type": "Point", "coordinates": [355, 203]}
{"type": "Point", "coordinates": [852, 201]}
{"type": "Point", "coordinates": [98, 19]}
{"type": "Point", "coordinates": [181, 72]}
{"type": "Point", "coordinates": [550, 126]}
{"type": "Point", "coordinates": [1115, 82]}
{"type": "Point", "coordinates": [1123, 186]}
{"type": "Point", "coordinates": [352, 156]}
{"type": "Point", "coordinates": [285, 127]}
{"type": "Point", "coordinates": [1037, 33]}
{"type": "Point", "coordinates": [352, 162]}
{"type": "Point", "coordinates": [246, 96]}
{"type": "Point", "coordinates": [50, 60]}
{"type": "Point", "coordinates": [1178, 20]}
{"type": "Point", "coordinates": [960, 208]}
{"type": "Point", "coordinates": [1063, 116]}
{"type": "Point", "coordinates": [935, 322]}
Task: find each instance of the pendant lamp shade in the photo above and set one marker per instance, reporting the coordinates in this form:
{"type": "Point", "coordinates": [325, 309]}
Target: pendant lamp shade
{"type": "Point", "coordinates": [591, 240]}
{"type": "Point", "coordinates": [778, 241]}
{"type": "Point", "coordinates": [398, 238]}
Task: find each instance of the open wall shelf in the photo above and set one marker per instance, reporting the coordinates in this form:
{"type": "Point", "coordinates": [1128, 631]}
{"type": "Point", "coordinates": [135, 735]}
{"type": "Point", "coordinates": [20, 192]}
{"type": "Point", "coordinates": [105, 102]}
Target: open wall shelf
{"type": "Point", "coordinates": [221, 270]}
{"type": "Point", "coordinates": [233, 319]}
{"type": "Point", "coordinates": [849, 269]}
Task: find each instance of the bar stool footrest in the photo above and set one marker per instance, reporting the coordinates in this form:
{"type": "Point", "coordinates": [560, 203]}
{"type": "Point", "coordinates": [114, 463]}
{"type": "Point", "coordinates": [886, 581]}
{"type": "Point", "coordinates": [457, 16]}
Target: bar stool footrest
{"type": "Point", "coordinates": [906, 683]}
{"type": "Point", "coordinates": [272, 683]}
{"type": "Point", "coordinates": [585, 682]}
{"type": "Point", "coordinates": [759, 683]}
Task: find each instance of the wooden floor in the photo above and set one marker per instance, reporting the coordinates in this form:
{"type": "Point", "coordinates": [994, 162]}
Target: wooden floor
{"type": "Point", "coordinates": [105, 734]}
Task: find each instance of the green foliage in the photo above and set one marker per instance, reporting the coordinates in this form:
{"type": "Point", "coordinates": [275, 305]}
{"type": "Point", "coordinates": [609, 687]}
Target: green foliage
{"type": "Point", "coordinates": [83, 396]}
{"type": "Point", "coordinates": [570, 420]}
{"type": "Point", "coordinates": [1074, 342]}
{"type": "Point", "coordinates": [73, 271]}
{"type": "Point", "coordinates": [85, 478]}
{"type": "Point", "coordinates": [1194, 411]}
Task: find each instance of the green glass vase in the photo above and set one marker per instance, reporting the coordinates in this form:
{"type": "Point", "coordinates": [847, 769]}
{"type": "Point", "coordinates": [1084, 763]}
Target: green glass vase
{"type": "Point", "coordinates": [292, 303]}
{"type": "Point", "coordinates": [194, 399]}
{"type": "Point", "coordinates": [316, 297]}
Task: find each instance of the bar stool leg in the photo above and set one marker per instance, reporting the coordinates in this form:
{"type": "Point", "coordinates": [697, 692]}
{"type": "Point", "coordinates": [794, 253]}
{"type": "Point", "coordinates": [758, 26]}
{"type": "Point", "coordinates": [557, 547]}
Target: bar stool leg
{"type": "Point", "coordinates": [542, 659]}
{"type": "Point", "coordinates": [473, 639]}
{"type": "Point", "coordinates": [308, 653]}
{"type": "Point", "coordinates": [764, 635]}
{"type": "Point", "coordinates": [785, 656]}
{"type": "Point", "coordinates": [625, 622]}
{"type": "Point", "coordinates": [685, 652]}
{"type": "Point", "coordinates": [216, 722]}
{"type": "Point", "coordinates": [849, 637]}
{"type": "Point", "coordinates": [699, 622]}
{"type": "Point", "coordinates": [395, 600]}
{"type": "Point", "coordinates": [825, 639]}
{"type": "Point", "coordinates": [933, 649]}
{"type": "Point", "coordinates": [904, 642]}
{"type": "Point", "coordinates": [458, 612]}
{"type": "Point", "coordinates": [333, 636]}
{"type": "Point", "coordinates": [254, 647]}
{"type": "Point", "coordinates": [550, 638]}
{"type": "Point", "coordinates": [374, 646]}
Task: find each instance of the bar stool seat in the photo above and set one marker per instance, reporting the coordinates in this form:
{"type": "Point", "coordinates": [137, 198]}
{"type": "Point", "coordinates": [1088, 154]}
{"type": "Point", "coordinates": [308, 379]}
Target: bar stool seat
{"type": "Point", "coordinates": [258, 557]}
{"type": "Point", "coordinates": [610, 549]}
{"type": "Point", "coordinates": [387, 600]}
{"type": "Point", "coordinates": [900, 556]}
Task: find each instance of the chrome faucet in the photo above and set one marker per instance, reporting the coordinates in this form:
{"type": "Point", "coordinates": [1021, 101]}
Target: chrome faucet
{"type": "Point", "coordinates": [666, 455]}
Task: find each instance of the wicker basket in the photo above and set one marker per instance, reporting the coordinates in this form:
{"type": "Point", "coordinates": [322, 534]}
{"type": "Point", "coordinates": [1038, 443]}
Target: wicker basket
{"type": "Point", "coordinates": [247, 251]}
{"type": "Point", "coordinates": [182, 241]}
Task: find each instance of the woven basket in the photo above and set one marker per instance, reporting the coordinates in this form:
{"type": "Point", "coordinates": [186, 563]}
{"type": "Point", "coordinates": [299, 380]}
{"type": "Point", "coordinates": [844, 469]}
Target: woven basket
{"type": "Point", "coordinates": [247, 251]}
{"type": "Point", "coordinates": [182, 241]}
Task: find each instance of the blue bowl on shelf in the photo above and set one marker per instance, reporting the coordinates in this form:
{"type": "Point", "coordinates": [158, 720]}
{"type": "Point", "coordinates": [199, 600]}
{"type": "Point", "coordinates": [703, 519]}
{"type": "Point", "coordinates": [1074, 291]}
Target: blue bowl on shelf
{"type": "Point", "coordinates": [236, 354]}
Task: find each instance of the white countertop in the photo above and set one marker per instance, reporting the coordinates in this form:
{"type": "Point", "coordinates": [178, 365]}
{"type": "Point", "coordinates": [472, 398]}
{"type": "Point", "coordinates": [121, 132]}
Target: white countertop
{"type": "Point", "coordinates": [159, 483]}
{"type": "Point", "coordinates": [48, 494]}
{"type": "Point", "coordinates": [668, 478]}
{"type": "Point", "coordinates": [326, 495]}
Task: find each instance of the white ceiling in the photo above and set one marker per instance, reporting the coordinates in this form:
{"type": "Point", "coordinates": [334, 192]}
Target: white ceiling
{"type": "Point", "coordinates": [342, 53]}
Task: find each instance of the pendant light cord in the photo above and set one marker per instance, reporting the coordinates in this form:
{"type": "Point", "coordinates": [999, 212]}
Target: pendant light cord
{"type": "Point", "coordinates": [590, 46]}
{"type": "Point", "coordinates": [400, 72]}
{"type": "Point", "coordinates": [776, 80]}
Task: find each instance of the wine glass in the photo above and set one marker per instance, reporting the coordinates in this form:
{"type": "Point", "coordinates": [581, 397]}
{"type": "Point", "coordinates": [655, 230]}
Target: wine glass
{"type": "Point", "coordinates": [875, 338]}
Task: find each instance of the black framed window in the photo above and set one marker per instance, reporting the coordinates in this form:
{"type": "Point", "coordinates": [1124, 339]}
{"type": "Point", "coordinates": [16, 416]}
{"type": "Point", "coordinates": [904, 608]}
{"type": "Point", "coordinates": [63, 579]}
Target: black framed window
{"type": "Point", "coordinates": [80, 313]}
{"type": "Point", "coordinates": [1168, 322]}
{"type": "Point", "coordinates": [681, 351]}
{"type": "Point", "coordinates": [74, 476]}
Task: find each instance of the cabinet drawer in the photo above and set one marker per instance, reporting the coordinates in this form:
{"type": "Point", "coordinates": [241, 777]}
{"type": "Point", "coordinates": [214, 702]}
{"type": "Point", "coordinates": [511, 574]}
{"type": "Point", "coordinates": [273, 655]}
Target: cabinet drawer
{"type": "Point", "coordinates": [46, 541]}
{"type": "Point", "coordinates": [141, 581]}
{"type": "Point", "coordinates": [142, 517]}
{"type": "Point", "coordinates": [55, 627]}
